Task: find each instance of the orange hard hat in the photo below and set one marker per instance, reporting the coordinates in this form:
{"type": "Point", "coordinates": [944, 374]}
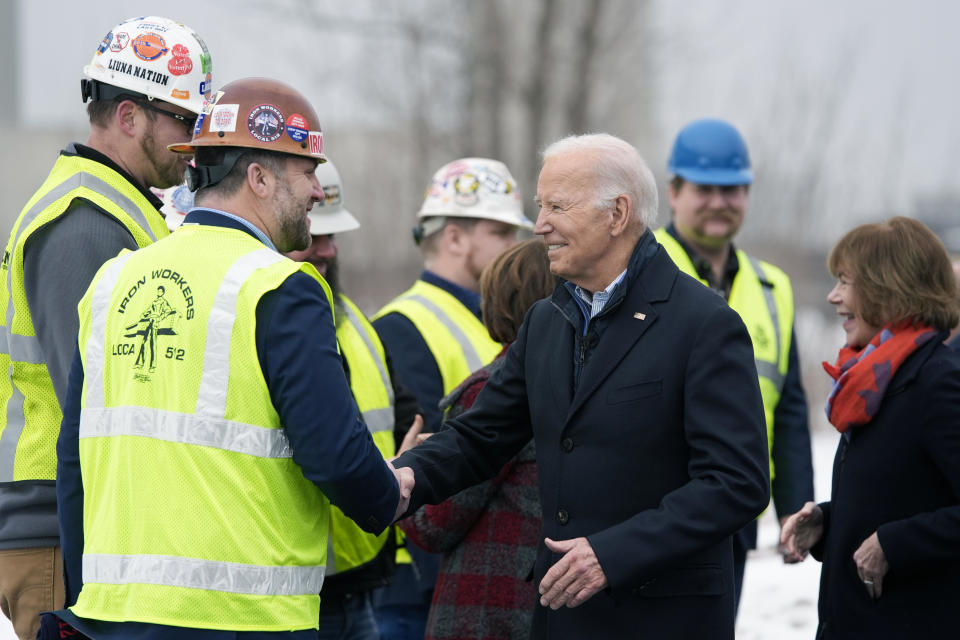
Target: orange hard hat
{"type": "Point", "coordinates": [258, 113]}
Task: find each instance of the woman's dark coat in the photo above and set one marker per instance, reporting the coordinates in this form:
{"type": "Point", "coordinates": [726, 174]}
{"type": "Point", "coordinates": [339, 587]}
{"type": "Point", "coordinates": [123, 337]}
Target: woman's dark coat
{"type": "Point", "coordinates": [899, 475]}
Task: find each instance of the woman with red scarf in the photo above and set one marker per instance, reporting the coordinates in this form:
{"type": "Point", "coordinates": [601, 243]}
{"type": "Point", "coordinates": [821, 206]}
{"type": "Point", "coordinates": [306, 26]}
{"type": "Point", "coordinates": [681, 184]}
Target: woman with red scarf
{"type": "Point", "coordinates": [889, 538]}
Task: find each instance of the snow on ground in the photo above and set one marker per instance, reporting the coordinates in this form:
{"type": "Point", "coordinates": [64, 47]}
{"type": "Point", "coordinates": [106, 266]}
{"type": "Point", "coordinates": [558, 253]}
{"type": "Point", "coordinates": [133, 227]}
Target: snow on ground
{"type": "Point", "coordinates": [779, 601]}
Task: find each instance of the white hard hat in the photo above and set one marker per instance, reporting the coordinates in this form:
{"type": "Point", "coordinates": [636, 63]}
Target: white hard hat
{"type": "Point", "coordinates": [330, 216]}
{"type": "Point", "coordinates": [156, 57]}
{"type": "Point", "coordinates": [177, 201]}
{"type": "Point", "coordinates": [474, 188]}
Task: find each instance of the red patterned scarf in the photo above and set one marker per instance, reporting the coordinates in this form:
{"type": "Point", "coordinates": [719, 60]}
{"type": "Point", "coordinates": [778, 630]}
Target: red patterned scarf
{"type": "Point", "coordinates": [861, 376]}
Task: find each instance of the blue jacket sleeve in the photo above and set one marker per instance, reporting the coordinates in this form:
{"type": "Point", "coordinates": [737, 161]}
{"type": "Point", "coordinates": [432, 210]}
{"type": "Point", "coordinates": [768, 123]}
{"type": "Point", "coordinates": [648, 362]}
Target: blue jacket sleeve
{"type": "Point", "coordinates": [792, 484]}
{"type": "Point", "coordinates": [70, 485]}
{"type": "Point", "coordinates": [304, 374]}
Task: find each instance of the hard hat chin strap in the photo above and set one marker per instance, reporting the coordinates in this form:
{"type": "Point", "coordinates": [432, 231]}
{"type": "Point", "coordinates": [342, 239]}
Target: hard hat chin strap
{"type": "Point", "coordinates": [212, 166]}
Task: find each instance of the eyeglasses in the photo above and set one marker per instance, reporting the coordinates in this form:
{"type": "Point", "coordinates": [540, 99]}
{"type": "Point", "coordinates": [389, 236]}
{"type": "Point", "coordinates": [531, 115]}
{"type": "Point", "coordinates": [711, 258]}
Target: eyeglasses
{"type": "Point", "coordinates": [187, 121]}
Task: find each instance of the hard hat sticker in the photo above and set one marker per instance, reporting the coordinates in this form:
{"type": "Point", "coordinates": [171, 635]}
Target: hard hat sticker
{"type": "Point", "coordinates": [206, 86]}
{"type": "Point", "coordinates": [105, 42]}
{"type": "Point", "coordinates": [199, 125]}
{"type": "Point", "coordinates": [180, 62]}
{"type": "Point", "coordinates": [297, 127]}
{"type": "Point", "coordinates": [120, 41]}
{"type": "Point", "coordinates": [180, 94]}
{"type": "Point", "coordinates": [149, 46]}
{"type": "Point", "coordinates": [265, 123]}
{"type": "Point", "coordinates": [224, 118]}
{"type": "Point", "coordinates": [331, 195]}
{"type": "Point", "coordinates": [465, 189]}
{"type": "Point", "coordinates": [316, 143]}
{"type": "Point", "coordinates": [152, 26]}
{"type": "Point", "coordinates": [180, 66]}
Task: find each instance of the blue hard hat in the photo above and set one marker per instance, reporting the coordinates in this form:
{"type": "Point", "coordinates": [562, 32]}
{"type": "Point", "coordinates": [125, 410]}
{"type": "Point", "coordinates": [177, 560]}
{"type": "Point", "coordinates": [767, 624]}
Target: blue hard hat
{"type": "Point", "coordinates": [710, 151]}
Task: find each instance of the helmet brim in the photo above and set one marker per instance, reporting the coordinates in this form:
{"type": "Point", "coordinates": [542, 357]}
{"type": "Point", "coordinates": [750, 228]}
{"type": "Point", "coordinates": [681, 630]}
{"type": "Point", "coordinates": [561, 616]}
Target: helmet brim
{"type": "Point", "coordinates": [721, 177]}
{"type": "Point", "coordinates": [324, 223]}
{"type": "Point", "coordinates": [190, 148]}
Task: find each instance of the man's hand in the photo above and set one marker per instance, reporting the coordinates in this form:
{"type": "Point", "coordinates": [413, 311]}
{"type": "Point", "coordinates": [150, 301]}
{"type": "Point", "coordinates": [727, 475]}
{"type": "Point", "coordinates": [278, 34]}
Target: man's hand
{"type": "Point", "coordinates": [801, 531]}
{"type": "Point", "coordinates": [871, 565]}
{"type": "Point", "coordinates": [788, 556]}
{"type": "Point", "coordinates": [413, 437]}
{"type": "Point", "coordinates": [405, 480]}
{"type": "Point", "coordinates": [575, 578]}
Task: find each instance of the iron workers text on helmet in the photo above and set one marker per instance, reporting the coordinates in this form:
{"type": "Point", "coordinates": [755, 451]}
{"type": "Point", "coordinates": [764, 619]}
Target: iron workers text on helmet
{"type": "Point", "coordinates": [710, 151]}
{"type": "Point", "coordinates": [151, 56]}
{"type": "Point", "coordinates": [330, 216]}
{"type": "Point", "coordinates": [475, 188]}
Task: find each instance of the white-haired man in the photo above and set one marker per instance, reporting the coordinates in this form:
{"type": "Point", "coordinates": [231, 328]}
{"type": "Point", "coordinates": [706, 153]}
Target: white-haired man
{"type": "Point", "coordinates": [638, 387]}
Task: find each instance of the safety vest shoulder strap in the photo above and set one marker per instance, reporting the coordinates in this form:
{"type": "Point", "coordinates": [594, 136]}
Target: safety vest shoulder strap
{"type": "Point", "coordinates": [458, 340]}
{"type": "Point", "coordinates": [758, 280]}
{"type": "Point", "coordinates": [369, 379]}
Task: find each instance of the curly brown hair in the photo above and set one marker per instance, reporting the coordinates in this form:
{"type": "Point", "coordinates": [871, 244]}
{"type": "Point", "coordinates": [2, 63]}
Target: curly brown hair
{"type": "Point", "coordinates": [901, 271]}
{"type": "Point", "coordinates": [511, 283]}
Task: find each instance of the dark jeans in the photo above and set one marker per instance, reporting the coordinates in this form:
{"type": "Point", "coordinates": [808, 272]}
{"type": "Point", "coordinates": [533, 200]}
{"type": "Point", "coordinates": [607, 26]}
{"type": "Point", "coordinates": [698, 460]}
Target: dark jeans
{"type": "Point", "coordinates": [403, 621]}
{"type": "Point", "coordinates": [348, 617]}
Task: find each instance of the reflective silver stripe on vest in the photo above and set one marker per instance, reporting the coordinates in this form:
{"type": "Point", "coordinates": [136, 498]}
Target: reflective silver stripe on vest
{"type": "Point", "coordinates": [81, 179]}
{"type": "Point", "coordinates": [11, 435]}
{"type": "Point", "coordinates": [375, 419]}
{"type": "Point", "coordinates": [95, 351]}
{"type": "Point", "coordinates": [379, 419]}
{"type": "Point", "coordinates": [212, 398]}
{"type": "Point", "coordinates": [210, 575]}
{"type": "Point", "coordinates": [331, 556]}
{"type": "Point", "coordinates": [473, 359]}
{"type": "Point", "coordinates": [184, 428]}
{"type": "Point", "coordinates": [207, 426]}
{"type": "Point", "coordinates": [27, 348]}
{"type": "Point", "coordinates": [21, 348]}
{"type": "Point", "coordinates": [770, 370]}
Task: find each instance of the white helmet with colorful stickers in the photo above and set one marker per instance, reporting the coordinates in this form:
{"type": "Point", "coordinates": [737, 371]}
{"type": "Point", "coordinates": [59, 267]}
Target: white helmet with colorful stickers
{"type": "Point", "coordinates": [474, 188]}
{"type": "Point", "coordinates": [157, 57]}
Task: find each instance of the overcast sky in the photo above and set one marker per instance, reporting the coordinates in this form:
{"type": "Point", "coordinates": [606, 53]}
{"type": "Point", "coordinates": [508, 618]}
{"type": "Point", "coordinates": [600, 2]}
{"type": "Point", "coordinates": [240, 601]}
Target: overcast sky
{"type": "Point", "coordinates": [887, 70]}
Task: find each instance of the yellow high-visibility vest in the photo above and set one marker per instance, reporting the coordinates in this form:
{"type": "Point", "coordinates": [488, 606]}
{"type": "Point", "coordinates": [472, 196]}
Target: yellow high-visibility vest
{"type": "Point", "coordinates": [29, 411]}
{"type": "Point", "coordinates": [459, 342]}
{"type": "Point", "coordinates": [194, 514]}
{"type": "Point", "coordinates": [762, 295]}
{"type": "Point", "coordinates": [455, 336]}
{"type": "Point", "coordinates": [350, 546]}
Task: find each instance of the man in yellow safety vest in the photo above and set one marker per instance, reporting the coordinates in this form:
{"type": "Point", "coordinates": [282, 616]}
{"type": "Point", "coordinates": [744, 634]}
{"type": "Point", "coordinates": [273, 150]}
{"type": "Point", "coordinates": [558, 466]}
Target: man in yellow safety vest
{"type": "Point", "coordinates": [146, 83]}
{"type": "Point", "coordinates": [194, 496]}
{"type": "Point", "coordinates": [708, 194]}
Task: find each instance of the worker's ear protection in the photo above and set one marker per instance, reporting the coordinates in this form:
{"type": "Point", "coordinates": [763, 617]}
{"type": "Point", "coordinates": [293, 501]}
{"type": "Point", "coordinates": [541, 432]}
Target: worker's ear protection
{"type": "Point", "coordinates": [417, 234]}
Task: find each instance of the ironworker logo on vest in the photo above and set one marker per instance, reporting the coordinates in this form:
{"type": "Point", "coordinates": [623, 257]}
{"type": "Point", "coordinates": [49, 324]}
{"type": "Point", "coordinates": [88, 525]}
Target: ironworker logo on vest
{"type": "Point", "coordinates": [158, 320]}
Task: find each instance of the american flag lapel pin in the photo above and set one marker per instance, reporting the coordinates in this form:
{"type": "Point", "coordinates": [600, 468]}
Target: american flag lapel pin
{"type": "Point", "coordinates": [640, 316]}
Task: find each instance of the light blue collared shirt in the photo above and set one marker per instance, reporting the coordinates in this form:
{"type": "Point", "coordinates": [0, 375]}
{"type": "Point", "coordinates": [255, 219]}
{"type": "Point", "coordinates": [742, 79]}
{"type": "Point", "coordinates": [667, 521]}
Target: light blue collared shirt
{"type": "Point", "coordinates": [598, 300]}
{"type": "Point", "coordinates": [249, 225]}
